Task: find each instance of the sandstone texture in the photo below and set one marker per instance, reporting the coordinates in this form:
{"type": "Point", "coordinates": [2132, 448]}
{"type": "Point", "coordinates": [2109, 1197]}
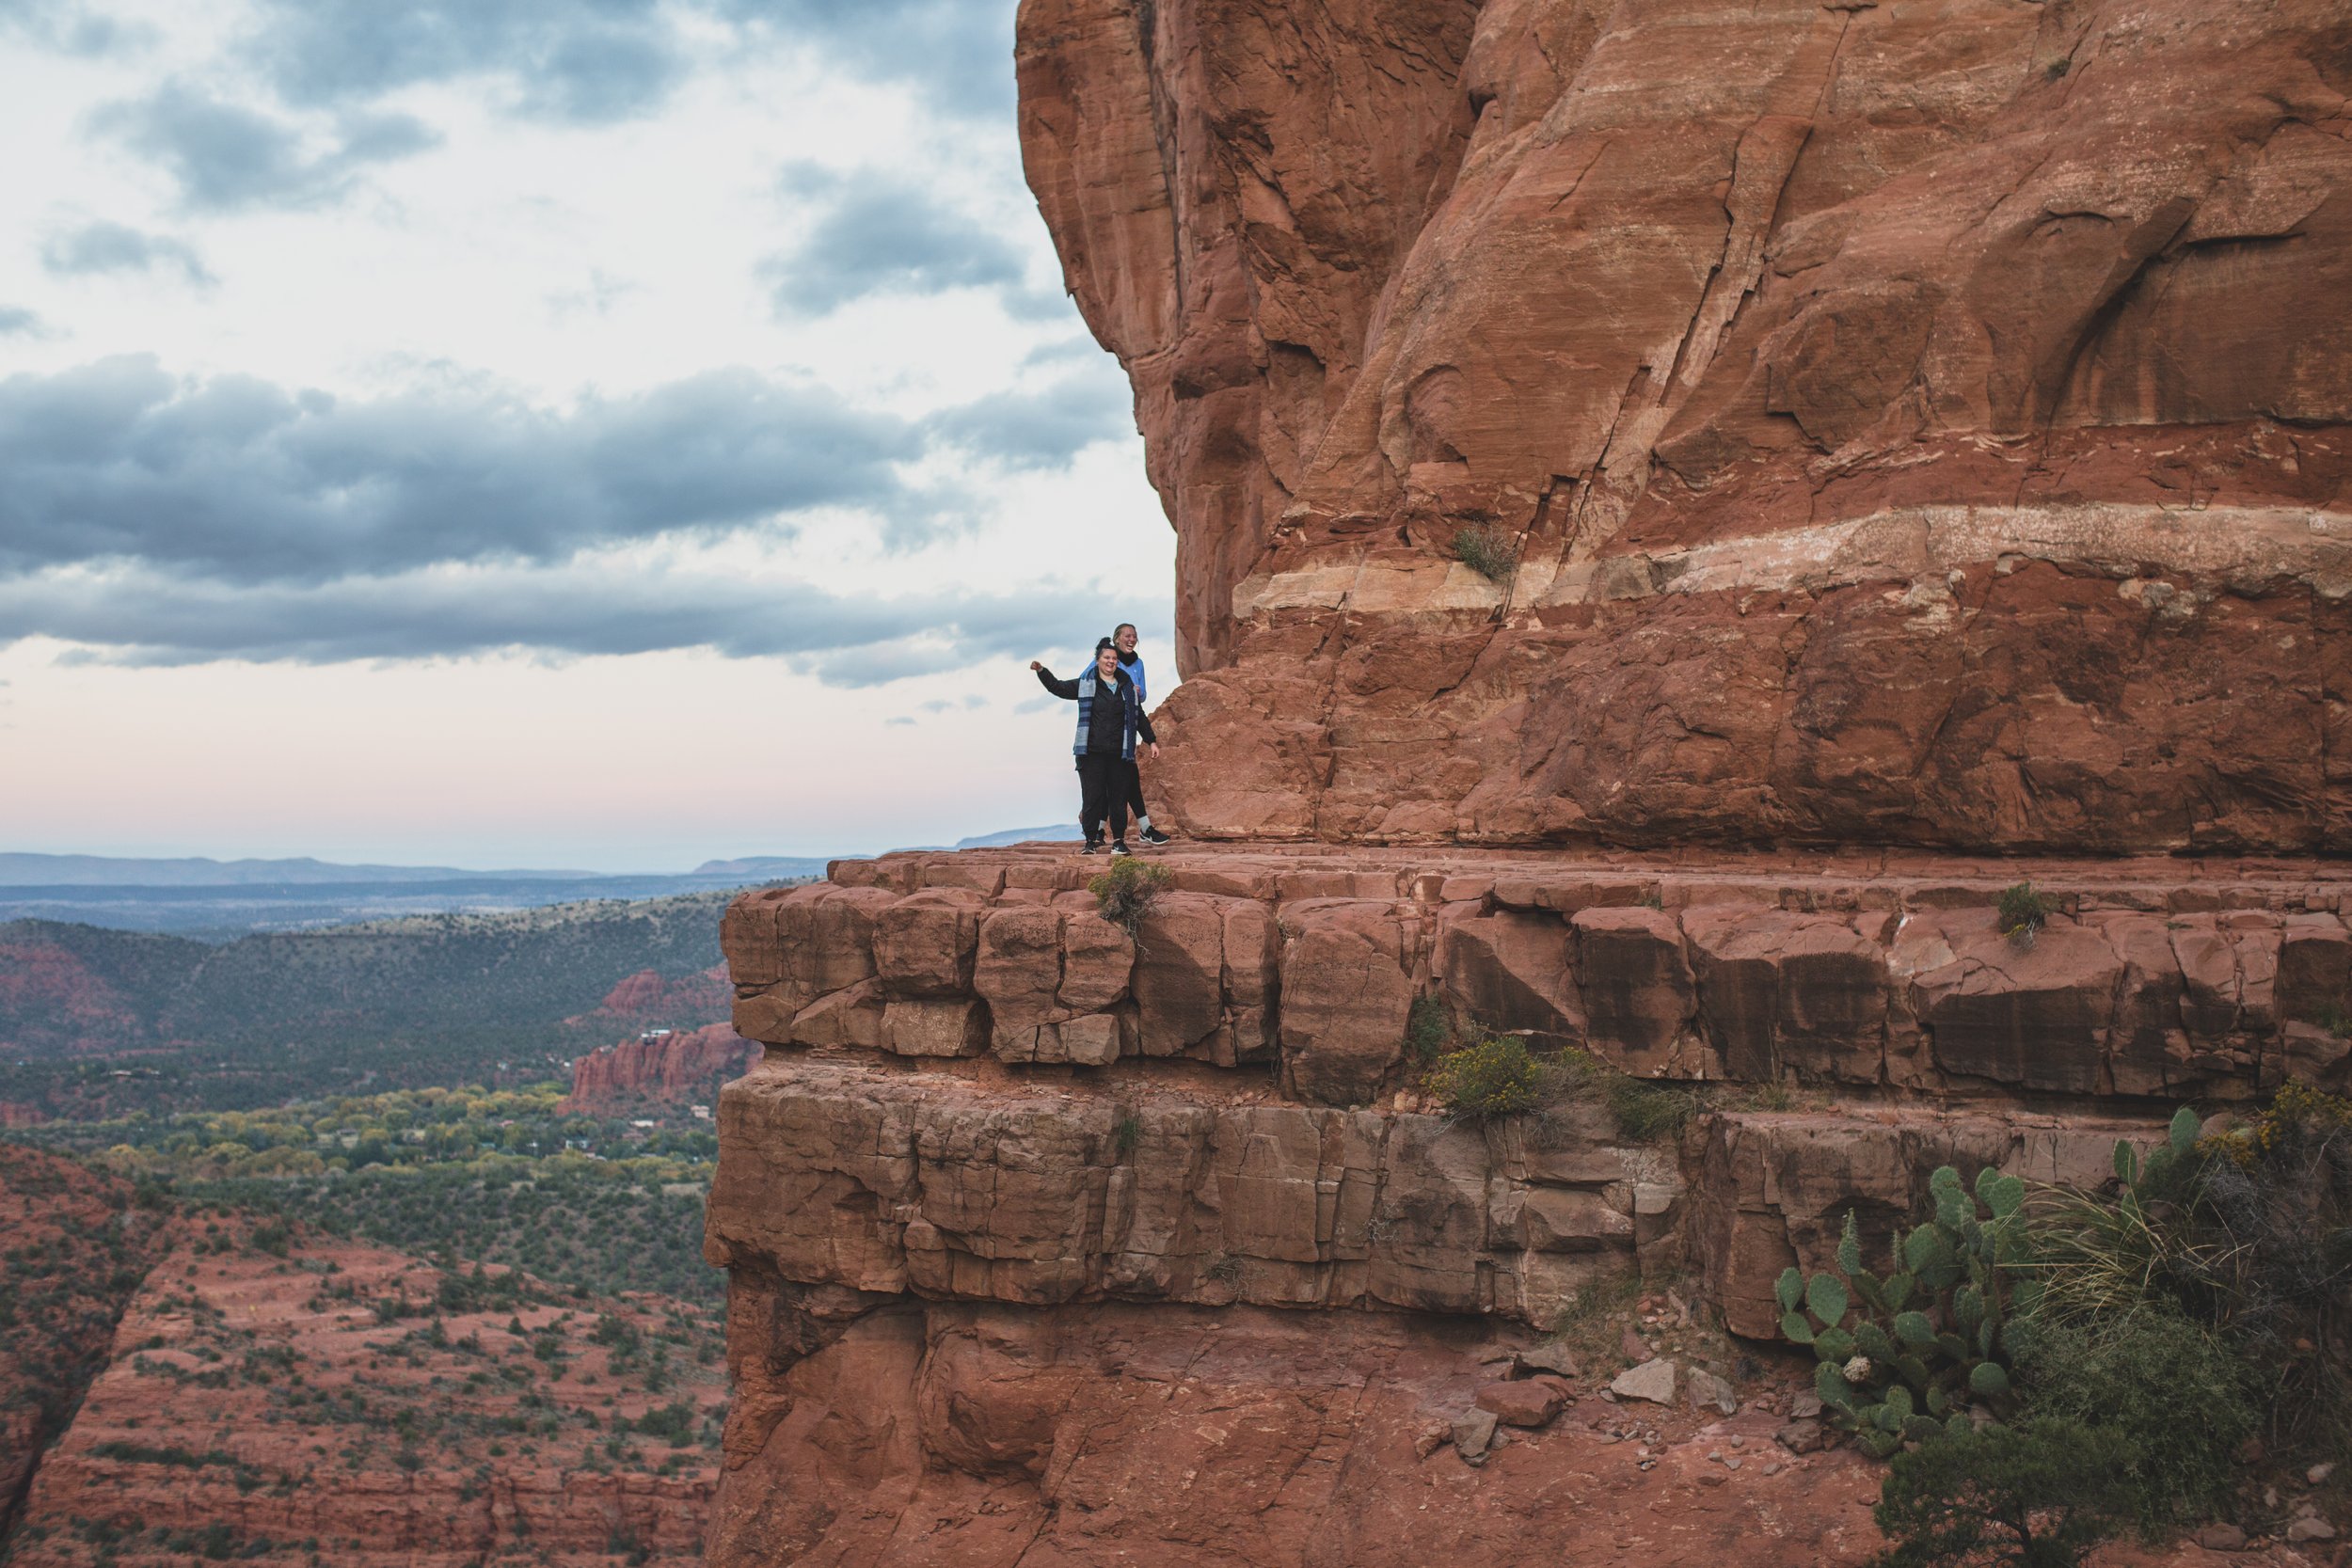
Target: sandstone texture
{"type": "Point", "coordinates": [1048, 1238]}
{"type": "Point", "coordinates": [1917, 424]}
{"type": "Point", "coordinates": [921, 1433]}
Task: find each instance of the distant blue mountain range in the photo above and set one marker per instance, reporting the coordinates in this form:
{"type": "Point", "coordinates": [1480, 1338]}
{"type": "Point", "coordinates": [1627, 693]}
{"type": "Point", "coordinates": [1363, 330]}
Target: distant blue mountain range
{"type": "Point", "coordinates": [220, 900]}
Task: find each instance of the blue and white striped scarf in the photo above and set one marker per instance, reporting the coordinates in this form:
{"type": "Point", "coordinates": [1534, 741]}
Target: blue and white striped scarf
{"type": "Point", "coordinates": [1086, 684]}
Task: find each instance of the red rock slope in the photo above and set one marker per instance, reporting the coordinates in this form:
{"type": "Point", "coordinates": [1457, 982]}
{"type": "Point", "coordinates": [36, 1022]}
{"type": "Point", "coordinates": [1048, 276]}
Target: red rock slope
{"type": "Point", "coordinates": [349, 1404]}
{"type": "Point", "coordinates": [1919, 423]}
{"type": "Point", "coordinates": [76, 1249]}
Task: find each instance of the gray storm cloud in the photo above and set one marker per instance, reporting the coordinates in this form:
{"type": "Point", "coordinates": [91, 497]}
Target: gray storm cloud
{"type": "Point", "coordinates": [163, 520]}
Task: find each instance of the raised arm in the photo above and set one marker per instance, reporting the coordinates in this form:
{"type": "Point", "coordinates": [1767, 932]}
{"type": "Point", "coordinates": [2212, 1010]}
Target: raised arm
{"type": "Point", "coordinates": [1065, 690]}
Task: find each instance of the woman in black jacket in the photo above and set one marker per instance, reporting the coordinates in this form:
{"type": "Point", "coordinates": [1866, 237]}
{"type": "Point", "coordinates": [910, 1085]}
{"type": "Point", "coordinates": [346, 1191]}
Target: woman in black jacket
{"type": "Point", "coordinates": [1110, 716]}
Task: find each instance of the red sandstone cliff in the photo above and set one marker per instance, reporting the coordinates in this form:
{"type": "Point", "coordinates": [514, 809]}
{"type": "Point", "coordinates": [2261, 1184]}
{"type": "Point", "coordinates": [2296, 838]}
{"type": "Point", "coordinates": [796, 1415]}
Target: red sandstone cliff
{"type": "Point", "coordinates": [1048, 1239]}
{"type": "Point", "coordinates": [1895, 429]}
{"type": "Point", "coordinates": [1912, 423]}
{"type": "Point", "coordinates": [674, 1067]}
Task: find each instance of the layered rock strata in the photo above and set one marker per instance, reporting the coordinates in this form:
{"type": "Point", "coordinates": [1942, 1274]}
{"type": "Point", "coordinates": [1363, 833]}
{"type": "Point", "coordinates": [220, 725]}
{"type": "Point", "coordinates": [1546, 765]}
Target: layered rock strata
{"type": "Point", "coordinates": [2154, 978]}
{"type": "Point", "coordinates": [1881, 423]}
{"type": "Point", "coordinates": [667, 1066]}
{"type": "Point", "coordinates": [1005, 1165]}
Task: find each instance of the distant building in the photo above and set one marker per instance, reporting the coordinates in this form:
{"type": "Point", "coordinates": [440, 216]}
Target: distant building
{"type": "Point", "coordinates": [702, 1113]}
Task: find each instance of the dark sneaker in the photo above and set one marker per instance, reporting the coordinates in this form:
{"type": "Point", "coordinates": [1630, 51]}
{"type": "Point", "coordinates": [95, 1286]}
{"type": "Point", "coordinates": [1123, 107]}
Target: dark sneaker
{"type": "Point", "coordinates": [1119, 847]}
{"type": "Point", "coordinates": [1093, 846]}
{"type": "Point", "coordinates": [1152, 835]}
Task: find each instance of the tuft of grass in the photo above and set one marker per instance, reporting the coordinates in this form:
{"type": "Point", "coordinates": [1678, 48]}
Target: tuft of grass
{"type": "Point", "coordinates": [1126, 1133]}
{"type": "Point", "coordinates": [1126, 893]}
{"type": "Point", "coordinates": [1644, 1111]}
{"type": "Point", "coordinates": [2022, 912]}
{"type": "Point", "coordinates": [2334, 1018]}
{"type": "Point", "coordinates": [1486, 550]}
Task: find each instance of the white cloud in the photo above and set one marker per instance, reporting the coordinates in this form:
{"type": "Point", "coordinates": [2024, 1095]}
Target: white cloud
{"type": "Point", "coordinates": [364, 335]}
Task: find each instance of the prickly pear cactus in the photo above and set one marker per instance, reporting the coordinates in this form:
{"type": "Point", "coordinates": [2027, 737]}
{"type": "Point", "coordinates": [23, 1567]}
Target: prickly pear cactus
{"type": "Point", "coordinates": [1925, 1342]}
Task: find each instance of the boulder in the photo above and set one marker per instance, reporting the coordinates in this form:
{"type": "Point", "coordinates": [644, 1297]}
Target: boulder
{"type": "Point", "coordinates": [1474, 1433]}
{"type": "Point", "coordinates": [1706, 1391]}
{"type": "Point", "coordinates": [1653, 1381]}
{"type": "Point", "coordinates": [1528, 1403]}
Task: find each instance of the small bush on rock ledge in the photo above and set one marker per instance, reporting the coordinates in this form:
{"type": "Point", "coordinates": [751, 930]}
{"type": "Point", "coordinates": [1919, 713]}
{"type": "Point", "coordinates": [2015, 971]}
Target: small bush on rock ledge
{"type": "Point", "coordinates": [2022, 913]}
{"type": "Point", "coordinates": [1127, 891]}
{"type": "Point", "coordinates": [1644, 1111]}
{"type": "Point", "coordinates": [1486, 550]}
{"type": "Point", "coordinates": [1494, 1078]}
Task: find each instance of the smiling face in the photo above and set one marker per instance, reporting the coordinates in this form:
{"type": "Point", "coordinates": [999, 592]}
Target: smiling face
{"type": "Point", "coordinates": [1106, 661]}
{"type": "Point", "coordinates": [1125, 638]}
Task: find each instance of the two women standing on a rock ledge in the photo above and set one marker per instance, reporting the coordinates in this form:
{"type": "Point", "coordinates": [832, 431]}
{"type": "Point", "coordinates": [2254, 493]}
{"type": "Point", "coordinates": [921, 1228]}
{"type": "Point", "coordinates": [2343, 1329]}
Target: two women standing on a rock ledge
{"type": "Point", "coordinates": [1110, 716]}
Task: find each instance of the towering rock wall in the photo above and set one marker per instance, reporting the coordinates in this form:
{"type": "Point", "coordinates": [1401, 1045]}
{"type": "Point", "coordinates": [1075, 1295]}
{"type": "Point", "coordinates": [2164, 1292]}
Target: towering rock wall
{"type": "Point", "coordinates": [1899, 429]}
{"type": "Point", "coordinates": [1919, 423]}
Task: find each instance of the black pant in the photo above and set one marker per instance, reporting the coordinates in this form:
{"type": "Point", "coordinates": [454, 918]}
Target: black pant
{"type": "Point", "coordinates": [1102, 791]}
{"type": "Point", "coordinates": [1135, 792]}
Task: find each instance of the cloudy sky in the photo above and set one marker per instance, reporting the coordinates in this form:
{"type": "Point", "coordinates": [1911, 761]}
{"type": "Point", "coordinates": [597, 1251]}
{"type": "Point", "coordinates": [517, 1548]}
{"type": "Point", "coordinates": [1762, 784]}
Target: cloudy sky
{"type": "Point", "coordinates": [595, 433]}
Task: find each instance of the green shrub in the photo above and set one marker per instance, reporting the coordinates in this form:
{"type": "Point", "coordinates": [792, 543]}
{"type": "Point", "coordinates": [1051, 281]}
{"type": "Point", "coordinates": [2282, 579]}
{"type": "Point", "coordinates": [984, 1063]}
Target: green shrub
{"type": "Point", "coordinates": [1126, 893]}
{"type": "Point", "coordinates": [1126, 1133]}
{"type": "Point", "coordinates": [1427, 1030]}
{"type": "Point", "coordinates": [1494, 1078]}
{"type": "Point", "coordinates": [1643, 1110]}
{"type": "Point", "coordinates": [2022, 911]}
{"type": "Point", "coordinates": [1927, 1340]}
{"type": "Point", "coordinates": [2166, 1385]}
{"type": "Point", "coordinates": [1648, 1111]}
{"type": "Point", "coordinates": [1486, 550]}
{"type": "Point", "coordinates": [2037, 1496]}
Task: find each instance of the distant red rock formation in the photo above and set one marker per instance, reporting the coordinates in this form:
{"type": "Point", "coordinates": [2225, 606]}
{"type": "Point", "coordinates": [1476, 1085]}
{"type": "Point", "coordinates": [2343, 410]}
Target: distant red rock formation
{"type": "Point", "coordinates": [646, 994]}
{"type": "Point", "coordinates": [673, 1065]}
{"type": "Point", "coordinates": [52, 1005]}
{"type": "Point", "coordinates": [16, 1114]}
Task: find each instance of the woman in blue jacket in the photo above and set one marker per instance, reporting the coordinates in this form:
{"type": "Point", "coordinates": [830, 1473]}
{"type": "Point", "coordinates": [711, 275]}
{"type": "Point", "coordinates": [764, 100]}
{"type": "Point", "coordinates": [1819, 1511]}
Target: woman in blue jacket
{"type": "Point", "coordinates": [1110, 716]}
